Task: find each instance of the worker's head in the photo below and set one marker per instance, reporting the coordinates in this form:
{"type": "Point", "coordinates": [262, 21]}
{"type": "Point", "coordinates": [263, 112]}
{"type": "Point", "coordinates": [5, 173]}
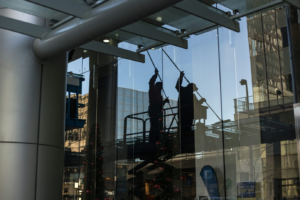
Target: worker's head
{"type": "Point", "coordinates": [192, 87]}
{"type": "Point", "coordinates": [158, 85]}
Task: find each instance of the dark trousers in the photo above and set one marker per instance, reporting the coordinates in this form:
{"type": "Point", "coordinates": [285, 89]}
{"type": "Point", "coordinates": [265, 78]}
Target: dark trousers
{"type": "Point", "coordinates": [154, 113]}
{"type": "Point", "coordinates": [186, 118]}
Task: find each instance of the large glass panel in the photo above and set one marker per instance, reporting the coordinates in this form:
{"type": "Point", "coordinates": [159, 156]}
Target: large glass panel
{"type": "Point", "coordinates": [258, 163]}
{"type": "Point", "coordinates": [198, 94]}
{"type": "Point", "coordinates": [213, 121]}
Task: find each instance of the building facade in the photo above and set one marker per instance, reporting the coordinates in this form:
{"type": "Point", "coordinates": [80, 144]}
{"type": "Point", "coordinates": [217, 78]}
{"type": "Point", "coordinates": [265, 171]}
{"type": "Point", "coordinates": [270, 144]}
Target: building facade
{"type": "Point", "coordinates": [150, 100]}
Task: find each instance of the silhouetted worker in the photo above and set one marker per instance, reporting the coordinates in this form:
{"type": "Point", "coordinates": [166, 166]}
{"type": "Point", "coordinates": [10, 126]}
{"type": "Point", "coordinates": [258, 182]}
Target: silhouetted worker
{"type": "Point", "coordinates": [156, 104]}
{"type": "Point", "coordinates": [186, 101]}
{"type": "Point", "coordinates": [70, 55]}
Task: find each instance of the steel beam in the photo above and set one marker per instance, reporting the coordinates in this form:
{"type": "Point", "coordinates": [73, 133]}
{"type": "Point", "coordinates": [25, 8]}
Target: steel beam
{"type": "Point", "coordinates": [235, 17]}
{"type": "Point", "coordinates": [22, 27]}
{"type": "Point", "coordinates": [95, 23]}
{"type": "Point", "coordinates": [65, 6]}
{"type": "Point", "coordinates": [295, 3]}
{"type": "Point", "coordinates": [203, 11]}
{"type": "Point", "coordinates": [145, 30]}
{"type": "Point", "coordinates": [38, 31]}
{"type": "Point", "coordinates": [257, 9]}
{"type": "Point", "coordinates": [203, 28]}
{"type": "Point", "coordinates": [112, 50]}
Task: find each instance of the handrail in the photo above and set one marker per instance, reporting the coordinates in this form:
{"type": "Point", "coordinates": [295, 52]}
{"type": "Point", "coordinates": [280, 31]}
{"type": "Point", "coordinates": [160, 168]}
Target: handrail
{"type": "Point", "coordinates": [132, 116]}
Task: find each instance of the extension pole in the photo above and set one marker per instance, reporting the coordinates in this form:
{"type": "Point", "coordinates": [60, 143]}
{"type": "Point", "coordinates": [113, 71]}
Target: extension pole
{"type": "Point", "coordinates": [189, 82]}
{"type": "Point", "coordinates": [162, 87]}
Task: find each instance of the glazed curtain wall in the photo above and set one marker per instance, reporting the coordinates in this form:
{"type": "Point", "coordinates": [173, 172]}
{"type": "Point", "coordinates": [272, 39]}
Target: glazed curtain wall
{"type": "Point", "coordinates": [245, 133]}
{"type": "Point", "coordinates": [226, 131]}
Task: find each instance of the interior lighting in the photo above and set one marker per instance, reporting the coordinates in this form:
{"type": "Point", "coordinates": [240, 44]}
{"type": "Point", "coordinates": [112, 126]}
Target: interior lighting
{"type": "Point", "coordinates": [106, 40]}
{"type": "Point", "coordinates": [159, 19]}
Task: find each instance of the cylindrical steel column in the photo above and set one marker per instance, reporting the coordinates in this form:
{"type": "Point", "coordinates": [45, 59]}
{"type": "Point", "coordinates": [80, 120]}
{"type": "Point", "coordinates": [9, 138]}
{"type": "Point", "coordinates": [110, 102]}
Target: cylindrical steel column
{"type": "Point", "coordinates": [32, 117]}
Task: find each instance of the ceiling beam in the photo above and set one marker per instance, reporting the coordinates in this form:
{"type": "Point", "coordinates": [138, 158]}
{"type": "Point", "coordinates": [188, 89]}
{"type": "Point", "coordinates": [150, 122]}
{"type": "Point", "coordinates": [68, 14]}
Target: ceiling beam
{"type": "Point", "coordinates": [65, 6]}
{"type": "Point", "coordinates": [22, 27]}
{"type": "Point", "coordinates": [208, 27]}
{"type": "Point", "coordinates": [157, 44]}
{"type": "Point", "coordinates": [38, 32]}
{"type": "Point", "coordinates": [114, 51]}
{"type": "Point", "coordinates": [257, 9]}
{"type": "Point", "coordinates": [142, 29]}
{"type": "Point", "coordinates": [203, 11]}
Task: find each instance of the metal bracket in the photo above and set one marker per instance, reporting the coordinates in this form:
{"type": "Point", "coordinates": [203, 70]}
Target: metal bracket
{"type": "Point", "coordinates": [203, 11]}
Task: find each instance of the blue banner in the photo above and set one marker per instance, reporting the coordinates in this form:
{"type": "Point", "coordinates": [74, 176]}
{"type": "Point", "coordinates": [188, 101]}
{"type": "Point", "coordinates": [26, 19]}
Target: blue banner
{"type": "Point", "coordinates": [210, 180]}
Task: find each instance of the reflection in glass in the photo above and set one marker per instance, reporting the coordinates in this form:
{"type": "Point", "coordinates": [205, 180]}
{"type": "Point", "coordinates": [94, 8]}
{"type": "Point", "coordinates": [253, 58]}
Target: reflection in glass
{"type": "Point", "coordinates": [269, 22]}
{"type": "Point", "coordinates": [273, 65]}
{"type": "Point", "coordinates": [229, 109]}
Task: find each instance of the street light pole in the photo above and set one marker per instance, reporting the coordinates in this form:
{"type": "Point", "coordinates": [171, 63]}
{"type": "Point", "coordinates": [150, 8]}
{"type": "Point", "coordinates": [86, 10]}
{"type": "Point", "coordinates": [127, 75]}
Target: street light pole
{"type": "Point", "coordinates": [244, 82]}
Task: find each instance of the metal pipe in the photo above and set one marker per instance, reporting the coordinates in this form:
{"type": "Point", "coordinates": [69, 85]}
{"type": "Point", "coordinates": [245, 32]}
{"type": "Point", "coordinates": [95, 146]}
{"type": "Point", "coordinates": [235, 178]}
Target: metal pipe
{"type": "Point", "coordinates": [95, 23]}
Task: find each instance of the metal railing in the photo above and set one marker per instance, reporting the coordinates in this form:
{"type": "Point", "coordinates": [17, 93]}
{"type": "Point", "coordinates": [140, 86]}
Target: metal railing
{"type": "Point", "coordinates": [133, 116]}
{"type": "Point", "coordinates": [240, 104]}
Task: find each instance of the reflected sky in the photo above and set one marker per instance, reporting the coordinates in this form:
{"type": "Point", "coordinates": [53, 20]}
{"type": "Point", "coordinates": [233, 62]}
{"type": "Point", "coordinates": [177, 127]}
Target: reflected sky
{"type": "Point", "coordinates": [200, 63]}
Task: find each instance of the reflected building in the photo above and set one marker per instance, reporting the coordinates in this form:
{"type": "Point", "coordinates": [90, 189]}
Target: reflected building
{"type": "Point", "coordinates": [231, 130]}
{"type": "Point", "coordinates": [269, 158]}
{"type": "Point", "coordinates": [129, 101]}
{"type": "Point", "coordinates": [256, 150]}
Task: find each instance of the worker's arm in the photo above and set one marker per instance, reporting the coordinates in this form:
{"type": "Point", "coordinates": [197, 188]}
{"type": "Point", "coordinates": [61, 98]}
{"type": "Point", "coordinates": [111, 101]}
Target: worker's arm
{"type": "Point", "coordinates": [179, 82]}
{"type": "Point", "coordinates": [153, 79]}
{"type": "Point", "coordinates": [201, 101]}
{"type": "Point", "coordinates": [166, 101]}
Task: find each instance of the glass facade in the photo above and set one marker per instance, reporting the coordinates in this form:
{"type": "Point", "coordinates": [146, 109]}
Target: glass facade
{"type": "Point", "coordinates": [214, 121]}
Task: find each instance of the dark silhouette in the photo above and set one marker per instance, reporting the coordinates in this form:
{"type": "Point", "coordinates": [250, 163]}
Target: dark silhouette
{"type": "Point", "coordinates": [156, 104]}
{"type": "Point", "coordinates": [186, 101]}
{"type": "Point", "coordinates": [70, 55]}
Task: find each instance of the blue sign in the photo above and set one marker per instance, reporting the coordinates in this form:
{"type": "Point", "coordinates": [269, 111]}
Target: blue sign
{"type": "Point", "coordinates": [210, 180]}
{"type": "Point", "coordinates": [246, 189]}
